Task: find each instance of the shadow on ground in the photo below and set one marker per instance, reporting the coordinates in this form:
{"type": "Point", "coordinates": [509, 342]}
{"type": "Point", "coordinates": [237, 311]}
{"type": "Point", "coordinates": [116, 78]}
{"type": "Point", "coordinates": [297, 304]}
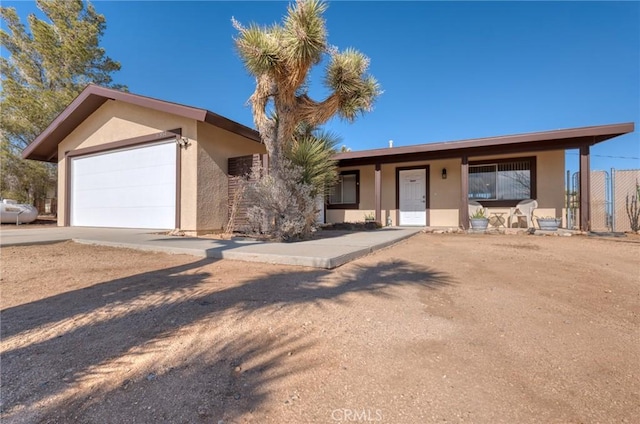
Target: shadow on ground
{"type": "Point", "coordinates": [177, 335]}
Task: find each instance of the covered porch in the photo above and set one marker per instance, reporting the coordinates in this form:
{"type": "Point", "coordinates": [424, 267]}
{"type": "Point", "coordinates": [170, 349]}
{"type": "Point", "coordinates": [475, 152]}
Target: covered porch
{"type": "Point", "coordinates": [432, 184]}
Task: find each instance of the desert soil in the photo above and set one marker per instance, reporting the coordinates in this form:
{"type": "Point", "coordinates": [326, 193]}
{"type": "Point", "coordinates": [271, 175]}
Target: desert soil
{"type": "Point", "coordinates": [43, 221]}
{"type": "Point", "coordinates": [439, 328]}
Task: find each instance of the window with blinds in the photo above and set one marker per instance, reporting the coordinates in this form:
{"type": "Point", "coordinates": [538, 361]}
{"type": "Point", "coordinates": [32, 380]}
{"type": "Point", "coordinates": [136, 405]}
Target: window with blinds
{"type": "Point", "coordinates": [505, 180]}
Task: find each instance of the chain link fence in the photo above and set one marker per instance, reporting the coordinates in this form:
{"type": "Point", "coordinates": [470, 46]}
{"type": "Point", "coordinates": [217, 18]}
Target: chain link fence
{"type": "Point", "coordinates": [601, 217]}
{"type": "Point", "coordinates": [610, 193]}
{"type": "Point", "coordinates": [623, 188]}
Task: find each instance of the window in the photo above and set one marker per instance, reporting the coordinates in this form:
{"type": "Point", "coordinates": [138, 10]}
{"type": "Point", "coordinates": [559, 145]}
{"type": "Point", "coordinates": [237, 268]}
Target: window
{"type": "Point", "coordinates": [502, 180]}
{"type": "Point", "coordinates": [346, 193]}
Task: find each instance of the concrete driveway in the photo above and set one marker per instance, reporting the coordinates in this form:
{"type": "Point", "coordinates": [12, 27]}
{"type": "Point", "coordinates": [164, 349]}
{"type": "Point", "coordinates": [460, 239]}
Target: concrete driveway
{"type": "Point", "coordinates": [328, 252]}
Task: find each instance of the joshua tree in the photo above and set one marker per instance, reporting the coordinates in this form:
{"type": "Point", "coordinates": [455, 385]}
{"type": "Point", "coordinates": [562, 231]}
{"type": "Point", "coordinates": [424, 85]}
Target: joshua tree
{"type": "Point", "coordinates": [280, 58]}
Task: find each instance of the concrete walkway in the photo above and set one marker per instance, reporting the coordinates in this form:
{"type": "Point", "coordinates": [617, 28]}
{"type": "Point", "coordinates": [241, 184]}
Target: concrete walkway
{"type": "Point", "coordinates": [328, 252]}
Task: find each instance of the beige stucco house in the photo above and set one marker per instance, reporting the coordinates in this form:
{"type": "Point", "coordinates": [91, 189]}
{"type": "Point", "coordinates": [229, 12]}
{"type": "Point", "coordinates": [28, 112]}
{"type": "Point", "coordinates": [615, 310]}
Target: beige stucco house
{"type": "Point", "coordinates": [126, 160]}
{"type": "Point", "coordinates": [432, 184]}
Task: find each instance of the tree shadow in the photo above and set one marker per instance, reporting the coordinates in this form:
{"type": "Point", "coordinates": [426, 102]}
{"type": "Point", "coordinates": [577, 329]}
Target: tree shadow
{"type": "Point", "coordinates": [109, 294]}
{"type": "Point", "coordinates": [64, 356]}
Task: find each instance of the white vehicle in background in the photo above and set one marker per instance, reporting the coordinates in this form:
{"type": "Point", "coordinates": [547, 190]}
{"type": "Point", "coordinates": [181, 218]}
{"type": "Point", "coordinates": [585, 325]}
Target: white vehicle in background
{"type": "Point", "coordinates": [12, 212]}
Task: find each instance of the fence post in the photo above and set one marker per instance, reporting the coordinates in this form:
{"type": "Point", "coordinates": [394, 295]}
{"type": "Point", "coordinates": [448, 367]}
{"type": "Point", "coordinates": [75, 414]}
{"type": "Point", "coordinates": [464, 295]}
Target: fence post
{"type": "Point", "coordinates": [613, 200]}
{"type": "Point", "coordinates": [568, 201]}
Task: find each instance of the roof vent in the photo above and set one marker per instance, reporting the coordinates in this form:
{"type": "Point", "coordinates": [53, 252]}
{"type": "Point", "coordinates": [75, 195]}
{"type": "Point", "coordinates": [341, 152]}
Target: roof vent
{"type": "Point", "coordinates": [390, 144]}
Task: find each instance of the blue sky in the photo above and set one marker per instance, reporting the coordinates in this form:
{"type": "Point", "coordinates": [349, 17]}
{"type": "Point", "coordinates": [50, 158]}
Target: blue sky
{"type": "Point", "coordinates": [449, 70]}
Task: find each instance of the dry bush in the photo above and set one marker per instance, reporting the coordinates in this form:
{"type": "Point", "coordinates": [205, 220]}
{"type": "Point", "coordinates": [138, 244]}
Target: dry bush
{"type": "Point", "coordinates": [281, 207]}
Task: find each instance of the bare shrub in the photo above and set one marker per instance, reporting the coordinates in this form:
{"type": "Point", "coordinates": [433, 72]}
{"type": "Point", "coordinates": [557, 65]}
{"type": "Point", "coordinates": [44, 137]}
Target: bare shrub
{"type": "Point", "coordinates": [281, 207]}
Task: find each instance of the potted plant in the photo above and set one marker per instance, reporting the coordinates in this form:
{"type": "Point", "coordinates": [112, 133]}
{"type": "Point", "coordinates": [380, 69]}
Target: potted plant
{"type": "Point", "coordinates": [548, 223]}
{"type": "Point", "coordinates": [369, 217]}
{"type": "Point", "coordinates": [479, 220]}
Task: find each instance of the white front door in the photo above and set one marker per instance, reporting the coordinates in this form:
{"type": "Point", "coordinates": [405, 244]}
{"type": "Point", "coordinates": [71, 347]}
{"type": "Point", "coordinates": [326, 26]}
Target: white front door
{"type": "Point", "coordinates": [412, 197]}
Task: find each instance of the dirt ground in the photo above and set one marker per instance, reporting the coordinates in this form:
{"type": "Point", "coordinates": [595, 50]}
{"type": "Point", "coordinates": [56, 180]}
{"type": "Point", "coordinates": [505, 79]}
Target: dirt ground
{"type": "Point", "coordinates": [439, 328]}
{"type": "Point", "coordinates": [43, 221]}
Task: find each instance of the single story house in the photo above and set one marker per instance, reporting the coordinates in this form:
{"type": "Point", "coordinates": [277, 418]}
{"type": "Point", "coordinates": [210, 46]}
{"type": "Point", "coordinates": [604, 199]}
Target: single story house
{"type": "Point", "coordinates": [432, 184]}
{"type": "Point", "coordinates": [126, 160]}
{"type": "Point", "coordinates": [131, 161]}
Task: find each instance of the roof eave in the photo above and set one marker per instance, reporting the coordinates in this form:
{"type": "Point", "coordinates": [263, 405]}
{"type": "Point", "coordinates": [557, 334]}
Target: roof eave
{"type": "Point", "coordinates": [45, 146]}
{"type": "Point", "coordinates": [567, 138]}
{"type": "Point", "coordinates": [229, 125]}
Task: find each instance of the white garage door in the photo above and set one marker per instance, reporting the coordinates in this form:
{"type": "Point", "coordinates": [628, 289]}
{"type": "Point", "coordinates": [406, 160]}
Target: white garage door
{"type": "Point", "coordinates": [129, 188]}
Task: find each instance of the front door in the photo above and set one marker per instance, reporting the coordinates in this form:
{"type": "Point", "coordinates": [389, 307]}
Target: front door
{"type": "Point", "coordinates": [412, 197]}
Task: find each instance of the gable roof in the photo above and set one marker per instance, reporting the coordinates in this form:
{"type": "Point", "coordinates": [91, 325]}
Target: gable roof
{"type": "Point", "coordinates": [45, 146]}
{"type": "Point", "coordinates": [571, 138]}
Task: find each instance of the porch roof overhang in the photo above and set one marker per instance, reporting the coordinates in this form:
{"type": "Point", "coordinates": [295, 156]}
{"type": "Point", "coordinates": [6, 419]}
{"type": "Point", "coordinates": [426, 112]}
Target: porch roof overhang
{"type": "Point", "coordinates": [45, 146]}
{"type": "Point", "coordinates": [562, 139]}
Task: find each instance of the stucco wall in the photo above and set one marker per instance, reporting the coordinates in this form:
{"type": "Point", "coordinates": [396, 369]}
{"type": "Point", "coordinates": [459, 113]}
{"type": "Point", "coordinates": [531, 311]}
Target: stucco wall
{"type": "Point", "coordinates": [215, 147]}
{"type": "Point", "coordinates": [115, 121]}
{"type": "Point", "coordinates": [444, 194]}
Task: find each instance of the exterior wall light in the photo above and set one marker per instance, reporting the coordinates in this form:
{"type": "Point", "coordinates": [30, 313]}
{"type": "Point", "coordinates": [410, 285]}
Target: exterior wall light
{"type": "Point", "coordinates": [182, 141]}
{"type": "Point", "coordinates": [444, 173]}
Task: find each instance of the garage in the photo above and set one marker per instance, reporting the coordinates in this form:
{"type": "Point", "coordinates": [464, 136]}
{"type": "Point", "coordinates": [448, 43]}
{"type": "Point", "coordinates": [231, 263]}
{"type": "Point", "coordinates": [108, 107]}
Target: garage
{"type": "Point", "coordinates": [131, 161]}
{"type": "Point", "coordinates": [127, 188]}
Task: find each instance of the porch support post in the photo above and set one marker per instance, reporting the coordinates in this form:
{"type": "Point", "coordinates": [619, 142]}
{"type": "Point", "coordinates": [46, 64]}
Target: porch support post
{"type": "Point", "coordinates": [464, 193]}
{"type": "Point", "coordinates": [585, 189]}
{"type": "Point", "coordinates": [378, 194]}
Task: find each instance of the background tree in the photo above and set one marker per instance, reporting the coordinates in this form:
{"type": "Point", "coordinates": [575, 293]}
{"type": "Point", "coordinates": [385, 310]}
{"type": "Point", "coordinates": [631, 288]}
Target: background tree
{"type": "Point", "coordinates": [280, 58]}
{"type": "Point", "coordinates": [47, 67]}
